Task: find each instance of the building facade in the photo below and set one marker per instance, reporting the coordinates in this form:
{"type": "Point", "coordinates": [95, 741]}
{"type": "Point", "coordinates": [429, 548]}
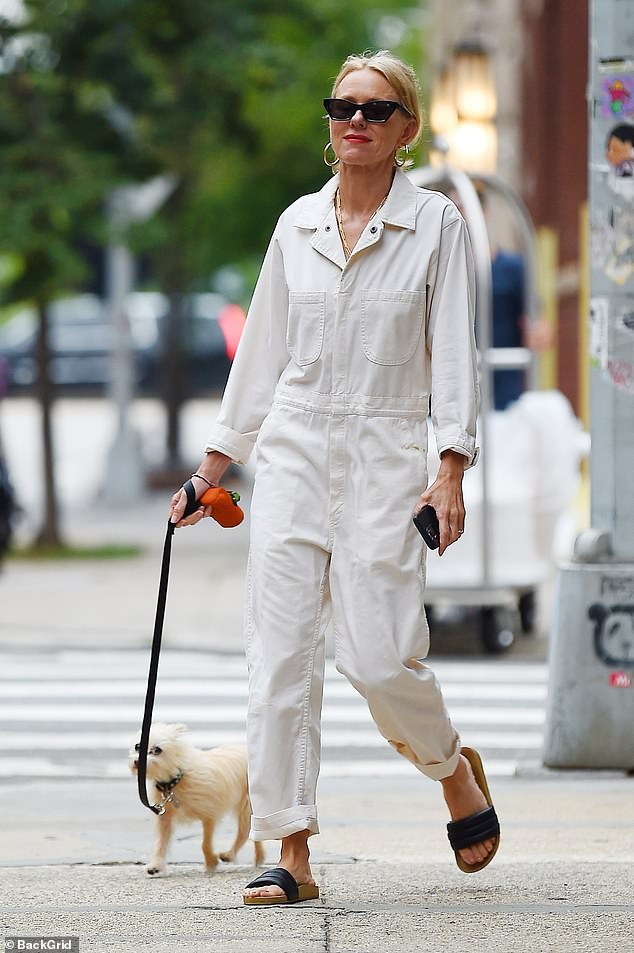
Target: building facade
{"type": "Point", "coordinates": [539, 55]}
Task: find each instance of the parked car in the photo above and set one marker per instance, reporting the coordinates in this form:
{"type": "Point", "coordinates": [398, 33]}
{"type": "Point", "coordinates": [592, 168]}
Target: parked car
{"type": "Point", "coordinates": [82, 340]}
{"type": "Point", "coordinates": [211, 331]}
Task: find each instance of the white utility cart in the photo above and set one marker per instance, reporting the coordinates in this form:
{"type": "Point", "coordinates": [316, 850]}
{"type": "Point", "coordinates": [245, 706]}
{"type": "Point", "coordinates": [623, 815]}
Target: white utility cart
{"type": "Point", "coordinates": [518, 497]}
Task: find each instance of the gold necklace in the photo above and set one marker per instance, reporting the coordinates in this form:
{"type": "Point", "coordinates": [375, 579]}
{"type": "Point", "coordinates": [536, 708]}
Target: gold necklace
{"type": "Point", "coordinates": [338, 215]}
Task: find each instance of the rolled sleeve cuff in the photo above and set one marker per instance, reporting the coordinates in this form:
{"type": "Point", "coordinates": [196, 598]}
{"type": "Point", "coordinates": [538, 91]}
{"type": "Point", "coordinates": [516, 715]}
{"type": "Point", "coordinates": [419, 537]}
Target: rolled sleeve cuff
{"type": "Point", "coordinates": [236, 445]}
{"type": "Point", "coordinates": [464, 445]}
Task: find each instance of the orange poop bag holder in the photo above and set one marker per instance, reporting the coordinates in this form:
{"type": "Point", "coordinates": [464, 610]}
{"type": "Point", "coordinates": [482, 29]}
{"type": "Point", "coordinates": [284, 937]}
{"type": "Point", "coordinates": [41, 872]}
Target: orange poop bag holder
{"type": "Point", "coordinates": [224, 503]}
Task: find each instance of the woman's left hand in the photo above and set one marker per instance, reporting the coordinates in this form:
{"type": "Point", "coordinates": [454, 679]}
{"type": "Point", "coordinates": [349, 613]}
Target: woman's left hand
{"type": "Point", "coordinates": [445, 495]}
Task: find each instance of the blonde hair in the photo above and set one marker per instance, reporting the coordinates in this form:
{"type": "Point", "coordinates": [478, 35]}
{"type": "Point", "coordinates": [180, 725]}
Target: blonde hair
{"type": "Point", "coordinates": [399, 75]}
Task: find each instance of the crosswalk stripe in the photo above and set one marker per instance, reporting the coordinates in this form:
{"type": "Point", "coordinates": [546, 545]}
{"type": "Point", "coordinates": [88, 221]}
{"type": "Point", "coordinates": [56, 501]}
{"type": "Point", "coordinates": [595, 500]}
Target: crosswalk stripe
{"type": "Point", "coordinates": [394, 768]}
{"type": "Point", "coordinates": [400, 768]}
{"type": "Point", "coordinates": [201, 687]}
{"type": "Point", "coordinates": [121, 741]}
{"type": "Point", "coordinates": [133, 664]}
{"type": "Point", "coordinates": [75, 714]}
{"type": "Point", "coordinates": [195, 714]}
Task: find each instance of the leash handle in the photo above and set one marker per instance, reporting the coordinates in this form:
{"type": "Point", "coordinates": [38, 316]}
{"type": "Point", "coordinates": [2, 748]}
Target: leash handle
{"type": "Point", "coordinates": [226, 512]}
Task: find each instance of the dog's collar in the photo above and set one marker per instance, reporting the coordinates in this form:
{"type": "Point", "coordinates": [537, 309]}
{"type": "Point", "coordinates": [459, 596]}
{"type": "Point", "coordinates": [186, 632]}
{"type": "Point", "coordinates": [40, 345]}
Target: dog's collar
{"type": "Point", "coordinates": [165, 787]}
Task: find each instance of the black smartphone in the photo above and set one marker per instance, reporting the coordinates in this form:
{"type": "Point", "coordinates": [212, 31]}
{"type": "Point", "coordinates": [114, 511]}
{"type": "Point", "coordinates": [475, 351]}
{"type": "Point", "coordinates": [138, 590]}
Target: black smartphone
{"type": "Point", "coordinates": [426, 522]}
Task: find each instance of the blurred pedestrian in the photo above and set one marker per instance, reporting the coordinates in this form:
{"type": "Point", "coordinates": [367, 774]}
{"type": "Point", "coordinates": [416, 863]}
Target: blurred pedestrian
{"type": "Point", "coordinates": [363, 311]}
{"type": "Point", "coordinates": [510, 325]}
{"type": "Point", "coordinates": [508, 322]}
{"type": "Point", "coordinates": [8, 507]}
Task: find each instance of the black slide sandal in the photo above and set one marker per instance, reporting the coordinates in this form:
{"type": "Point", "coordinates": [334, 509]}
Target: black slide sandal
{"type": "Point", "coordinates": [479, 827]}
{"type": "Point", "coordinates": [279, 877]}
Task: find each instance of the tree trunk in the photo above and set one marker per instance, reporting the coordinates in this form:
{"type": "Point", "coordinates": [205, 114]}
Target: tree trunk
{"type": "Point", "coordinates": [49, 534]}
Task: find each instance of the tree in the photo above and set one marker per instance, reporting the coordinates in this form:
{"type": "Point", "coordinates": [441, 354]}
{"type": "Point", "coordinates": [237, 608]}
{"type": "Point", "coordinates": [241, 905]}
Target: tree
{"type": "Point", "coordinates": [60, 152]}
{"type": "Point", "coordinates": [235, 114]}
{"type": "Point", "coordinates": [97, 93]}
{"type": "Point", "coordinates": [228, 105]}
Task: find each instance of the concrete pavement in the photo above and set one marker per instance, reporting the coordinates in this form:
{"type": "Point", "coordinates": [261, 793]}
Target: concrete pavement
{"type": "Point", "coordinates": [72, 864]}
{"type": "Point", "coordinates": [112, 601]}
{"type": "Point", "coordinates": [72, 853]}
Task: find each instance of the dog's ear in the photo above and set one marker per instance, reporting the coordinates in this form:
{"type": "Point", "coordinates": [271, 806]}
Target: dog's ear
{"type": "Point", "coordinates": [179, 729]}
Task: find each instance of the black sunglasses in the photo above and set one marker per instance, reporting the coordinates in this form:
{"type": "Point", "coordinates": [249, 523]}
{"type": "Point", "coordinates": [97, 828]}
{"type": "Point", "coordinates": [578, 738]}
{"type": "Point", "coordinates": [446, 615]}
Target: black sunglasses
{"type": "Point", "coordinates": [377, 110]}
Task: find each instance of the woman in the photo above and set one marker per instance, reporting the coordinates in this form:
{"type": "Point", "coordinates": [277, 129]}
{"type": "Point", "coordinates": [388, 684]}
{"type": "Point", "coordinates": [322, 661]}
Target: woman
{"type": "Point", "coordinates": [363, 309]}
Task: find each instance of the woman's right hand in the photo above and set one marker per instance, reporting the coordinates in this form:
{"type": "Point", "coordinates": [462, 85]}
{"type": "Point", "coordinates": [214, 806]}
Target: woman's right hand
{"type": "Point", "coordinates": [212, 467]}
{"type": "Point", "coordinates": [179, 502]}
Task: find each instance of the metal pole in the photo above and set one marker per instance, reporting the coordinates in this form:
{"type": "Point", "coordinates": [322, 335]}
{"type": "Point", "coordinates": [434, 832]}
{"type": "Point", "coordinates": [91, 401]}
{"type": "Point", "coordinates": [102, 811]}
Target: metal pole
{"type": "Point", "coordinates": [125, 476]}
{"type": "Point", "coordinates": [591, 688]}
{"type": "Point", "coordinates": [612, 275]}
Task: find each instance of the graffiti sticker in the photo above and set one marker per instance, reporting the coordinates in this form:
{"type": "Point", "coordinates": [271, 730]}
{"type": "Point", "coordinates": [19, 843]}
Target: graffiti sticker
{"type": "Point", "coordinates": [620, 266]}
{"type": "Point", "coordinates": [599, 332]}
{"type": "Point", "coordinates": [617, 587]}
{"type": "Point", "coordinates": [621, 374]}
{"type": "Point", "coordinates": [613, 633]}
{"type": "Point", "coordinates": [619, 150]}
{"type": "Point", "coordinates": [617, 97]}
{"type": "Point", "coordinates": [627, 320]}
{"type": "Point", "coordinates": [620, 680]}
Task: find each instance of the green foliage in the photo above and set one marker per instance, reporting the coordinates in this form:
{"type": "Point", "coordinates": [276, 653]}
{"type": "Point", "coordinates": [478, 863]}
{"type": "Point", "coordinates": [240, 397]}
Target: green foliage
{"type": "Point", "coordinates": [63, 553]}
{"type": "Point", "coordinates": [225, 98]}
{"type": "Point", "coordinates": [59, 155]}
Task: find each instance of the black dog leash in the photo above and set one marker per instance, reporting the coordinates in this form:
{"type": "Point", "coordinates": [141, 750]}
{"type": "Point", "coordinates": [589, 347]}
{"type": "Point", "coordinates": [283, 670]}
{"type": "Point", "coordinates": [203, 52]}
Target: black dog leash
{"type": "Point", "coordinates": [154, 662]}
{"type": "Point", "coordinates": [209, 497]}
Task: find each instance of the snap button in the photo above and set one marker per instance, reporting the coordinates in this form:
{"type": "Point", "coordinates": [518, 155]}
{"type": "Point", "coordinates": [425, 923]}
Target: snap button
{"type": "Point", "coordinates": [327, 228]}
{"type": "Point", "coordinates": [374, 229]}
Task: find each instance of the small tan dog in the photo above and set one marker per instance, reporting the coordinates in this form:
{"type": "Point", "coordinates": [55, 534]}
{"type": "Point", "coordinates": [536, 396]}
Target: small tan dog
{"type": "Point", "coordinates": [195, 785]}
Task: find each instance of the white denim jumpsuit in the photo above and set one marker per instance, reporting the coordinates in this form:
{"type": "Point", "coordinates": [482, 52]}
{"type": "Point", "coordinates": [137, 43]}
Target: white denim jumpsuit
{"type": "Point", "coordinates": [332, 384]}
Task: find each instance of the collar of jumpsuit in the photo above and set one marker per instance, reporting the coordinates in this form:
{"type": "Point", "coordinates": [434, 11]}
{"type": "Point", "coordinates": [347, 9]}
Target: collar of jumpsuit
{"type": "Point", "coordinates": [318, 215]}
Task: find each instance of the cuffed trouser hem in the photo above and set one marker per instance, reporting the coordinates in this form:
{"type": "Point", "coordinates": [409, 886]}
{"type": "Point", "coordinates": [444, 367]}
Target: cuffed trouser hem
{"type": "Point", "coordinates": [283, 823]}
{"type": "Point", "coordinates": [441, 770]}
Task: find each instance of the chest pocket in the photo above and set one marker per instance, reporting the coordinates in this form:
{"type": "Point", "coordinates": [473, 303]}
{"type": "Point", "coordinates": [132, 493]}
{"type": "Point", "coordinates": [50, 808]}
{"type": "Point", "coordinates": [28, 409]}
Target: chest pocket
{"type": "Point", "coordinates": [305, 330]}
{"type": "Point", "coordinates": [391, 325]}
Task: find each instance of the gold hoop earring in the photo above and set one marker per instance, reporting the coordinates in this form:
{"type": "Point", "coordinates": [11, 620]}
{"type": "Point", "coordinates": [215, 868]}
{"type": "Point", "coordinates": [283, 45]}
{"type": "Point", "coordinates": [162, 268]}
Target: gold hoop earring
{"type": "Point", "coordinates": [399, 162]}
{"type": "Point", "coordinates": [336, 157]}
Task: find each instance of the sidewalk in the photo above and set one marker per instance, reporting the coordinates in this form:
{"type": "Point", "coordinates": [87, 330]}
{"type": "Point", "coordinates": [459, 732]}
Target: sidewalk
{"type": "Point", "coordinates": [72, 854]}
{"type": "Point", "coordinates": [72, 859]}
{"type": "Point", "coordinates": [112, 601]}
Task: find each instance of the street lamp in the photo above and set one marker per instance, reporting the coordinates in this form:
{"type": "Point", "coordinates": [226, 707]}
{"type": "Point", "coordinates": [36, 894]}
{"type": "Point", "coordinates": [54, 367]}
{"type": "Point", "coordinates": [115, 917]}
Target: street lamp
{"type": "Point", "coordinates": [443, 114]}
{"type": "Point", "coordinates": [463, 110]}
